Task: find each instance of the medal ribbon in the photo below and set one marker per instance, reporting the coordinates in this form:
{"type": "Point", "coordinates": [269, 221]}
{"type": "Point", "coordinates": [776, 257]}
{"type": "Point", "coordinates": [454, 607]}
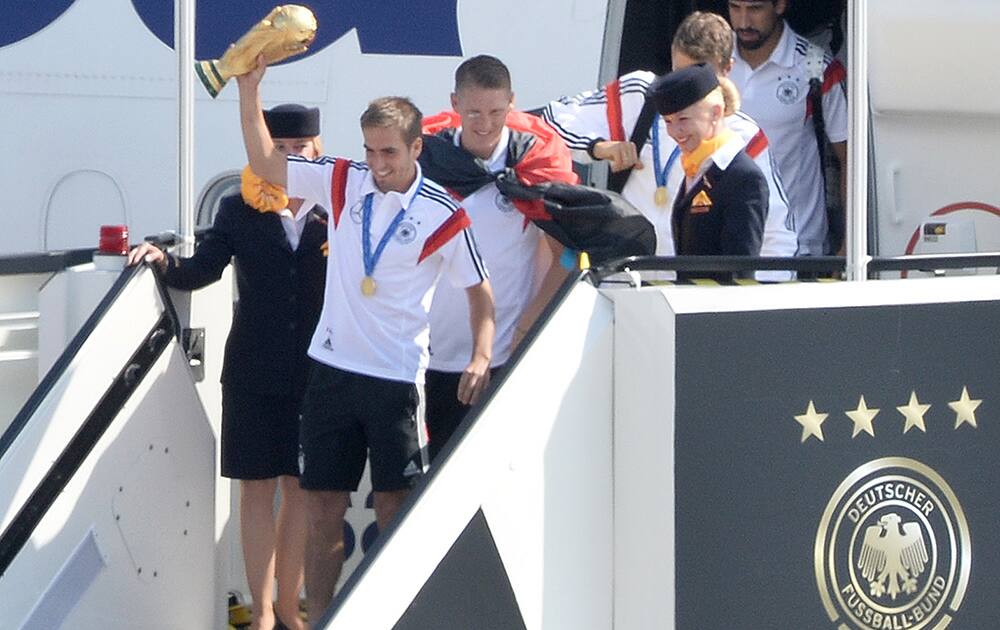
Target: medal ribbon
{"type": "Point", "coordinates": [658, 173]}
{"type": "Point", "coordinates": [370, 259]}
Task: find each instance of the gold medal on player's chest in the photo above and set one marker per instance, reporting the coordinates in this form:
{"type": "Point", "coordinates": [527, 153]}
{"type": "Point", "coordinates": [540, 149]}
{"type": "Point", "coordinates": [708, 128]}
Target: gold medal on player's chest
{"type": "Point", "coordinates": [661, 196]}
{"type": "Point", "coordinates": [368, 286]}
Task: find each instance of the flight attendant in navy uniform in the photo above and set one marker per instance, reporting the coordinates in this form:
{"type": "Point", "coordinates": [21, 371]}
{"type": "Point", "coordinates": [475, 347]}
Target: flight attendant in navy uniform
{"type": "Point", "coordinates": [722, 203]}
{"type": "Point", "coordinates": [279, 247]}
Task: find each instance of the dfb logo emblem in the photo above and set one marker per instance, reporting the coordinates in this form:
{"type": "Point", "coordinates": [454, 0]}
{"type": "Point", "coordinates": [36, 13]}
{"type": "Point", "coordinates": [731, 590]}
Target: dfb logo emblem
{"type": "Point", "coordinates": [893, 549]}
{"type": "Point", "coordinates": [405, 233]}
{"type": "Point", "coordinates": [503, 203]}
{"type": "Point", "coordinates": [788, 90]}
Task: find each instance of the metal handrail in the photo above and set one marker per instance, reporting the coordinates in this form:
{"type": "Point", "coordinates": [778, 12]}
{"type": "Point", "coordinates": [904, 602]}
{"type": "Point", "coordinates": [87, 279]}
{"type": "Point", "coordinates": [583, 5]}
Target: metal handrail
{"type": "Point", "coordinates": [43, 262]}
{"type": "Point", "coordinates": [802, 264]}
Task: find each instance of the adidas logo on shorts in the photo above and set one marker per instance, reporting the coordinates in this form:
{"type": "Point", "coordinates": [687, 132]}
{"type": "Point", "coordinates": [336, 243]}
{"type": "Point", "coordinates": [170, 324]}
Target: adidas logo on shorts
{"type": "Point", "coordinates": [411, 469]}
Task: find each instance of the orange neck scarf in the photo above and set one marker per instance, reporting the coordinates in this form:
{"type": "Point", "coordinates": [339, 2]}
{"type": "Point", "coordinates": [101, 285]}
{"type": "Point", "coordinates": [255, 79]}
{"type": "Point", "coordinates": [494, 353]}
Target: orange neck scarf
{"type": "Point", "coordinates": [261, 194]}
{"type": "Point", "coordinates": [692, 161]}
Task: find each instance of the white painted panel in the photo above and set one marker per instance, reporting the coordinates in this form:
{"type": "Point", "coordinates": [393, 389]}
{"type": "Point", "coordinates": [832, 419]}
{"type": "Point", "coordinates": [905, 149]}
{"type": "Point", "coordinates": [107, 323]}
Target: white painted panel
{"type": "Point", "coordinates": [82, 384]}
{"type": "Point", "coordinates": [694, 299]}
{"type": "Point", "coordinates": [539, 463]}
{"type": "Point", "coordinates": [65, 303]}
{"type": "Point", "coordinates": [644, 366]}
{"type": "Point", "coordinates": [930, 72]}
{"type": "Point", "coordinates": [18, 341]}
{"type": "Point", "coordinates": [928, 56]}
{"type": "Point", "coordinates": [147, 490]}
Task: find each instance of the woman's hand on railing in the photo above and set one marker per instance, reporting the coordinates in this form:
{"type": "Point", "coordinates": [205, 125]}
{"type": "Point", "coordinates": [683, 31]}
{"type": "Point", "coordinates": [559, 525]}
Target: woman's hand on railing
{"type": "Point", "coordinates": [147, 252]}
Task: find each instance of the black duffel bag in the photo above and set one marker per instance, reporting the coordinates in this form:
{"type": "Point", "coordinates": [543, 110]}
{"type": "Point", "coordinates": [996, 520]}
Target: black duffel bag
{"type": "Point", "coordinates": [586, 219]}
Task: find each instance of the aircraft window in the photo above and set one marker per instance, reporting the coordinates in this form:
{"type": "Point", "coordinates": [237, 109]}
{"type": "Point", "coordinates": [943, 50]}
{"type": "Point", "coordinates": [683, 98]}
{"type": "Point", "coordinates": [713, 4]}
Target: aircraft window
{"type": "Point", "coordinates": [208, 202]}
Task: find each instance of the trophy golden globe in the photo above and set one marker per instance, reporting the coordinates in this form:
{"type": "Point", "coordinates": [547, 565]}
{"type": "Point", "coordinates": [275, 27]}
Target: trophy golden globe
{"type": "Point", "coordinates": [287, 30]}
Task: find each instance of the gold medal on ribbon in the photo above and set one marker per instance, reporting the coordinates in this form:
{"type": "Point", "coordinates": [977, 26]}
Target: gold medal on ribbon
{"type": "Point", "coordinates": [368, 286]}
{"type": "Point", "coordinates": [660, 196]}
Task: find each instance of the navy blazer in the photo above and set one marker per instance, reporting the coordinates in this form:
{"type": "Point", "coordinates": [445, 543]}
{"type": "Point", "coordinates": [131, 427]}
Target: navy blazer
{"type": "Point", "coordinates": [733, 223]}
{"type": "Point", "coordinates": [280, 293]}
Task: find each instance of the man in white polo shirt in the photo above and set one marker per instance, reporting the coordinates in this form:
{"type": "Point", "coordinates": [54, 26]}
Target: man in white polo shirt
{"type": "Point", "coordinates": [391, 233]}
{"type": "Point", "coordinates": [467, 150]}
{"type": "Point", "coordinates": [772, 69]}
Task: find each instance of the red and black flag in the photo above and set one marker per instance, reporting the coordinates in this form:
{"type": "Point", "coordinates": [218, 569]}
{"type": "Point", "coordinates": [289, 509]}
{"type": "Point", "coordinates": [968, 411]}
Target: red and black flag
{"type": "Point", "coordinates": [539, 179]}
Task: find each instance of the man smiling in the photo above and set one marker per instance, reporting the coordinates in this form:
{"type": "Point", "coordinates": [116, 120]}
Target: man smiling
{"type": "Point", "coordinates": [467, 150]}
{"type": "Point", "coordinates": [392, 234]}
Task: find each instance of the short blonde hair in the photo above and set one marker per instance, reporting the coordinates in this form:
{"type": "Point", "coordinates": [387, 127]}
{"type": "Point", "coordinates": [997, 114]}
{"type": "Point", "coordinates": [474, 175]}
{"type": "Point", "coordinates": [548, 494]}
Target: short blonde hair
{"type": "Point", "coordinates": [394, 111]}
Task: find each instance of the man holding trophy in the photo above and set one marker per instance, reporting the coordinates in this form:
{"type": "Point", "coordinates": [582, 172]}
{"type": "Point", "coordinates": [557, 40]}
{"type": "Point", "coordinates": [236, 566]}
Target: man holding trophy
{"type": "Point", "coordinates": [392, 233]}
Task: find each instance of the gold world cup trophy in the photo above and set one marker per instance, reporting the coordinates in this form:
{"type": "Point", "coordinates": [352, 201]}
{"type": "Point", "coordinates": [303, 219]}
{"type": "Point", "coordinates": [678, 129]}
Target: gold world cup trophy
{"type": "Point", "coordinates": [287, 30]}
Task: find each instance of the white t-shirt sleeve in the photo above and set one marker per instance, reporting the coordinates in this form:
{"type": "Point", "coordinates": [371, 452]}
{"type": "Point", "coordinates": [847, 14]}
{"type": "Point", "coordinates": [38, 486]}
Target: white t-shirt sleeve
{"type": "Point", "coordinates": [580, 120]}
{"type": "Point", "coordinates": [583, 118]}
{"type": "Point", "coordinates": [835, 103]}
{"type": "Point", "coordinates": [311, 179]}
{"type": "Point", "coordinates": [463, 265]}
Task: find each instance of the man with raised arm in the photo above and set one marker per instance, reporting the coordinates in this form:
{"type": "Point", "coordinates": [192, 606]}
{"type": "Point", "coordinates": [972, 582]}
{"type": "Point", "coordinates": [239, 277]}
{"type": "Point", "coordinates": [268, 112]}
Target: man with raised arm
{"type": "Point", "coordinates": [392, 233]}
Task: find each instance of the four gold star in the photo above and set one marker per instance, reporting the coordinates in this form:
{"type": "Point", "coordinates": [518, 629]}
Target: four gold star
{"type": "Point", "coordinates": [965, 409]}
{"type": "Point", "coordinates": [914, 413]}
{"type": "Point", "coordinates": [862, 418]}
{"type": "Point", "coordinates": [812, 423]}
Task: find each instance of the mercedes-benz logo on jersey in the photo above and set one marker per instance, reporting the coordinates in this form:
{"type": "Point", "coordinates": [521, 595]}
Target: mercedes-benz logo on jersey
{"type": "Point", "coordinates": [893, 549]}
{"type": "Point", "coordinates": [406, 233]}
{"type": "Point", "coordinates": [356, 212]}
{"type": "Point", "coordinates": [788, 90]}
{"type": "Point", "coordinates": [503, 203]}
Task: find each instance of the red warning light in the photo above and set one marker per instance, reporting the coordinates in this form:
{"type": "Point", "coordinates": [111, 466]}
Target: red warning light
{"type": "Point", "coordinates": [114, 240]}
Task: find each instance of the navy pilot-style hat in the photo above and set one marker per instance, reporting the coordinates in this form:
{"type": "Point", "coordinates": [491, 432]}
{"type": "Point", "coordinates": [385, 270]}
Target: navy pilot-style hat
{"type": "Point", "coordinates": [673, 92]}
{"type": "Point", "coordinates": [292, 121]}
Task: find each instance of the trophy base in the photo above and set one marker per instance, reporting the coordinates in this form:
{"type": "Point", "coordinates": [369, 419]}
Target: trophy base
{"type": "Point", "coordinates": [211, 78]}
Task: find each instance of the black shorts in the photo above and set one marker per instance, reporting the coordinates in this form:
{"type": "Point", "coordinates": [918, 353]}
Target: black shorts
{"type": "Point", "coordinates": [444, 411]}
{"type": "Point", "coordinates": [347, 417]}
{"type": "Point", "coordinates": [260, 434]}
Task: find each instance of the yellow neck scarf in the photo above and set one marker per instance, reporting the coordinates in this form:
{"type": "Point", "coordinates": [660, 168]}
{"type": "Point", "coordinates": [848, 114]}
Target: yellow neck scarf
{"type": "Point", "coordinates": [692, 161]}
{"type": "Point", "coordinates": [261, 194]}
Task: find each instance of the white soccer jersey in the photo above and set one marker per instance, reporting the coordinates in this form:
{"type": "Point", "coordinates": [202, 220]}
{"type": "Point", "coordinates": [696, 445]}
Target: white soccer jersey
{"type": "Point", "coordinates": [776, 95]}
{"type": "Point", "coordinates": [508, 243]}
{"type": "Point", "coordinates": [384, 335]}
{"type": "Point", "coordinates": [583, 118]}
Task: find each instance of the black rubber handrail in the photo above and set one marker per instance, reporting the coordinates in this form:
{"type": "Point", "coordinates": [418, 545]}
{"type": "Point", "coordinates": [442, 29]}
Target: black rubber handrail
{"type": "Point", "coordinates": [73, 348]}
{"type": "Point", "coordinates": [718, 264]}
{"type": "Point", "coordinates": [807, 264]}
{"type": "Point", "coordinates": [49, 489]}
{"type": "Point", "coordinates": [44, 262]}
{"type": "Point", "coordinates": [934, 262]}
